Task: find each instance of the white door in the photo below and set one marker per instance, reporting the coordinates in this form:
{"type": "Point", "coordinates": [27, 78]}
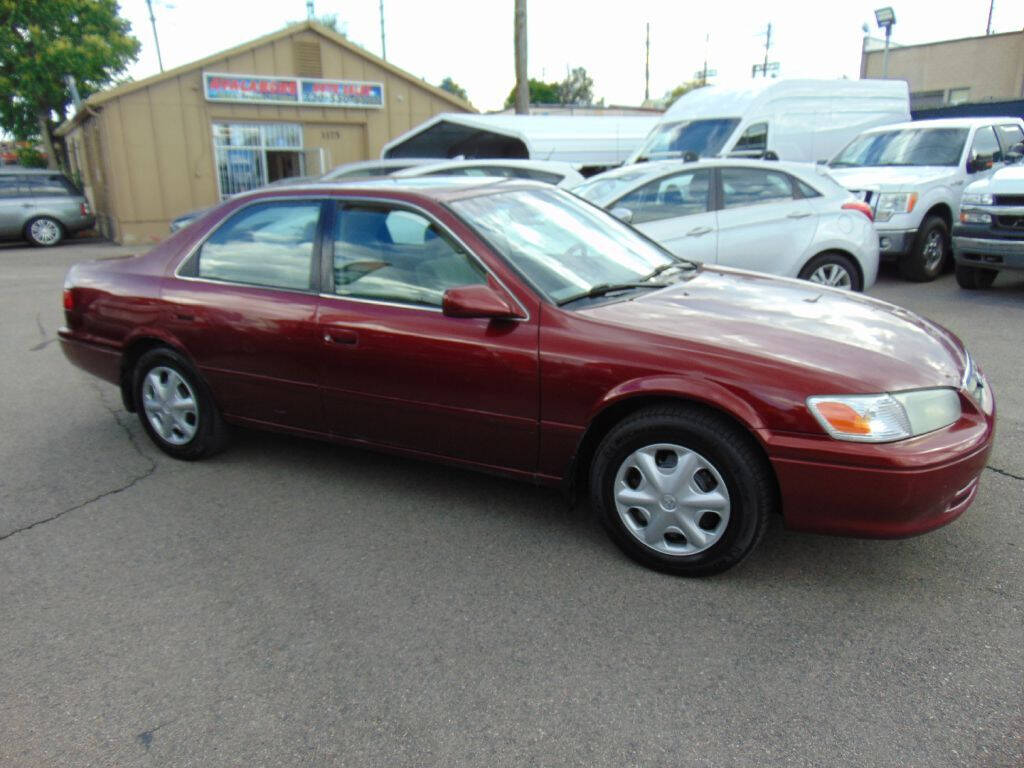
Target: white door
{"type": "Point", "coordinates": [763, 225]}
{"type": "Point", "coordinates": [674, 211]}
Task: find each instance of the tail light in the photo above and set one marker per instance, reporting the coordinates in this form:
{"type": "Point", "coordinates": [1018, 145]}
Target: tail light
{"type": "Point", "coordinates": [857, 205]}
{"type": "Point", "coordinates": [69, 300]}
{"type": "Point", "coordinates": [84, 208]}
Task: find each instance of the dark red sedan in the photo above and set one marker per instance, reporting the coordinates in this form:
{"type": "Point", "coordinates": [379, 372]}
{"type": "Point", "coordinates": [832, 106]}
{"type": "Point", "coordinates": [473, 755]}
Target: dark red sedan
{"type": "Point", "coordinates": [511, 327]}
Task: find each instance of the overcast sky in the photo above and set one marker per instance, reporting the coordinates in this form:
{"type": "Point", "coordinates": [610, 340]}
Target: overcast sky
{"type": "Point", "coordinates": [471, 40]}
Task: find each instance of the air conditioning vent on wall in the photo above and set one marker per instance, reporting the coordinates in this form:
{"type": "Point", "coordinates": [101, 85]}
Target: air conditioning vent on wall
{"type": "Point", "coordinates": [307, 58]}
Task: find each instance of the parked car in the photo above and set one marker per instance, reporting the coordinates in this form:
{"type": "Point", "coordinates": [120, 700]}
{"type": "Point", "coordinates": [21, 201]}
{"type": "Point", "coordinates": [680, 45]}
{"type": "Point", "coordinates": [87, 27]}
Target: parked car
{"type": "Point", "coordinates": [989, 235]}
{"type": "Point", "coordinates": [798, 120]}
{"type": "Point", "coordinates": [365, 169]}
{"type": "Point", "coordinates": [912, 176]}
{"type": "Point", "coordinates": [549, 171]}
{"type": "Point", "coordinates": [786, 219]}
{"type": "Point", "coordinates": [41, 206]}
{"type": "Point", "coordinates": [511, 327]}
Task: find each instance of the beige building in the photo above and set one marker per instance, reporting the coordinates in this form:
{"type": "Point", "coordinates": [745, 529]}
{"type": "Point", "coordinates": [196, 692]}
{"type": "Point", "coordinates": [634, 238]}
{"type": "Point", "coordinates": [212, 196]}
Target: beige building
{"type": "Point", "coordinates": [297, 102]}
{"type": "Point", "coordinates": [971, 69]}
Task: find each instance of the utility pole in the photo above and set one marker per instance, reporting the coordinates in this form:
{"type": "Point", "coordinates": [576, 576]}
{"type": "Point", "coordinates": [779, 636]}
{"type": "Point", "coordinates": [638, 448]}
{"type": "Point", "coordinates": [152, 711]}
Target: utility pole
{"type": "Point", "coordinates": [704, 72]}
{"type": "Point", "coordinates": [522, 99]}
{"type": "Point", "coordinates": [383, 44]}
{"type": "Point", "coordinates": [152, 20]}
{"type": "Point", "coordinates": [647, 67]}
{"type": "Point", "coordinates": [309, 10]}
{"type": "Point", "coordinates": [767, 47]}
{"type": "Point", "coordinates": [988, 27]}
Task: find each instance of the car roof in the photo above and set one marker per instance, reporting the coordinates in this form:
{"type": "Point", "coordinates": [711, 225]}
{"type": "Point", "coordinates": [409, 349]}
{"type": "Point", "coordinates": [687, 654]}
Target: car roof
{"type": "Point", "coordinates": [557, 166]}
{"type": "Point", "coordinates": [944, 122]}
{"type": "Point", "coordinates": [13, 169]}
{"type": "Point", "coordinates": [652, 170]}
{"type": "Point", "coordinates": [440, 188]}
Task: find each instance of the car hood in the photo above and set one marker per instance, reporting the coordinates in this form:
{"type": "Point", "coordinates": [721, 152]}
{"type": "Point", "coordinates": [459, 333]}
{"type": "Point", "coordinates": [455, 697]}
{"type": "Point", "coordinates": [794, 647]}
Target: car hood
{"type": "Point", "coordinates": [895, 178]}
{"type": "Point", "coordinates": [846, 342]}
{"type": "Point", "coordinates": [1005, 181]}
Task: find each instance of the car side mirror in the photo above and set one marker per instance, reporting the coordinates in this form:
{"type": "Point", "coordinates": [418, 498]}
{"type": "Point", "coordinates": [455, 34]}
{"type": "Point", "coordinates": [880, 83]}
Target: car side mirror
{"type": "Point", "coordinates": [975, 164]}
{"type": "Point", "coordinates": [623, 214]}
{"type": "Point", "coordinates": [478, 301]}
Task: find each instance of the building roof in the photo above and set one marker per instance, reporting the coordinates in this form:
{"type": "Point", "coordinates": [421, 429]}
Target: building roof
{"type": "Point", "coordinates": [576, 139]}
{"type": "Point", "coordinates": [98, 99]}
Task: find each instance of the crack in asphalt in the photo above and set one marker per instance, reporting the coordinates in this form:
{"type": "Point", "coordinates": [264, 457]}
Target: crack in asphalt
{"type": "Point", "coordinates": [115, 413]}
{"type": "Point", "coordinates": [1004, 473]}
{"type": "Point", "coordinates": [146, 737]}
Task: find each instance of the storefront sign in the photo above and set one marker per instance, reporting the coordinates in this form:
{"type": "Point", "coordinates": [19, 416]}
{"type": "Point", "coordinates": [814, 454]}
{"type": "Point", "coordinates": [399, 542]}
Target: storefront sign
{"type": "Point", "coordinates": [255, 89]}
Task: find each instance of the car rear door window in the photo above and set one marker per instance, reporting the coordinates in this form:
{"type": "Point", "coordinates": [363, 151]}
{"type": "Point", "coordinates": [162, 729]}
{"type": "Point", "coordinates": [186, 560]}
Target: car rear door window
{"type": "Point", "coordinates": [395, 255]}
{"type": "Point", "coordinates": [270, 244]}
{"type": "Point", "coordinates": [753, 186]}
{"type": "Point", "coordinates": [54, 185]}
{"type": "Point", "coordinates": [12, 186]}
{"type": "Point", "coordinates": [681, 194]}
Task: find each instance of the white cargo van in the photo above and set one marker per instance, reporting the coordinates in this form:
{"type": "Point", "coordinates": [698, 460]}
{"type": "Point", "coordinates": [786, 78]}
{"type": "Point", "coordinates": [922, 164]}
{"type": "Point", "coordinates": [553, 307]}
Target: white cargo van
{"type": "Point", "coordinates": [801, 120]}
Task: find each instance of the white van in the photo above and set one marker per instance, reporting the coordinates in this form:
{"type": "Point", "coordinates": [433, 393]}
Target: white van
{"type": "Point", "coordinates": [800, 120]}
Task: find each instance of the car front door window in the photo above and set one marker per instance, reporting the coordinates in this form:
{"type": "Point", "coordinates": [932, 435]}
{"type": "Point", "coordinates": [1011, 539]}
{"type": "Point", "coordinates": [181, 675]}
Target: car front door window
{"type": "Point", "coordinates": [394, 255]}
{"type": "Point", "coordinates": [682, 194]}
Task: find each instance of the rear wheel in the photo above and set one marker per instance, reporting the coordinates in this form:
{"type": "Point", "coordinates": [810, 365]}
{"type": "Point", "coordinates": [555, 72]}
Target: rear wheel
{"type": "Point", "coordinates": [835, 270]}
{"type": "Point", "coordinates": [175, 406]}
{"type": "Point", "coordinates": [931, 246]}
{"type": "Point", "coordinates": [681, 489]}
{"type": "Point", "coordinates": [973, 278]}
{"type": "Point", "coordinates": [44, 231]}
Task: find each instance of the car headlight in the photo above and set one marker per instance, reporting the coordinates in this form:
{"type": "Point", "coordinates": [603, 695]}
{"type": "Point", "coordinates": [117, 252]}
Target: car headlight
{"type": "Point", "coordinates": [886, 417]}
{"type": "Point", "coordinates": [890, 203]}
{"type": "Point", "coordinates": [974, 198]}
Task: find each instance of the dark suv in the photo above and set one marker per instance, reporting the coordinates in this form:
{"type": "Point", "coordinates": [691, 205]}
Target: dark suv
{"type": "Point", "coordinates": [40, 206]}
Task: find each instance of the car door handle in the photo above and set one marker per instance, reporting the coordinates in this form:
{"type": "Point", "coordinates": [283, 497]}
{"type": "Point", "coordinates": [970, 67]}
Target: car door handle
{"type": "Point", "coordinates": [697, 231]}
{"type": "Point", "coordinates": [341, 336]}
{"type": "Point", "coordinates": [798, 215]}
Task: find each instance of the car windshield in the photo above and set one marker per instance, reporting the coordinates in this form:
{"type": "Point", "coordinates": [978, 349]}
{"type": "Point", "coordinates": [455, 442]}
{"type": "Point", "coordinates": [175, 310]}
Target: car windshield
{"type": "Point", "coordinates": [608, 186]}
{"type": "Point", "coordinates": [910, 146]}
{"type": "Point", "coordinates": [566, 248]}
{"type": "Point", "coordinates": [704, 138]}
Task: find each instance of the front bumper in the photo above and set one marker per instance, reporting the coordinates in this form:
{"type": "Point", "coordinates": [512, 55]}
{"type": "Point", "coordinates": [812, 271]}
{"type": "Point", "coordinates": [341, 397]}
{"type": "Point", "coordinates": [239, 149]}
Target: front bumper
{"type": "Point", "coordinates": [986, 247]}
{"type": "Point", "coordinates": [895, 242]}
{"type": "Point", "coordinates": [883, 491]}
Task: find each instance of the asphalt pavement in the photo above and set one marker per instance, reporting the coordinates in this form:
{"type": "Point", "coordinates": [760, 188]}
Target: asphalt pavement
{"type": "Point", "coordinates": [290, 602]}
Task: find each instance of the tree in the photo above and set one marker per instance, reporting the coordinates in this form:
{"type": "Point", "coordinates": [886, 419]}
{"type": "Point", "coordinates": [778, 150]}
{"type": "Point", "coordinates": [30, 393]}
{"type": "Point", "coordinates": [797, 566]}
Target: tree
{"type": "Point", "coordinates": [453, 88]}
{"type": "Point", "coordinates": [41, 42]}
{"type": "Point", "coordinates": [540, 93]}
{"type": "Point", "coordinates": [682, 88]}
{"type": "Point", "coordinates": [522, 92]}
{"type": "Point", "coordinates": [577, 89]}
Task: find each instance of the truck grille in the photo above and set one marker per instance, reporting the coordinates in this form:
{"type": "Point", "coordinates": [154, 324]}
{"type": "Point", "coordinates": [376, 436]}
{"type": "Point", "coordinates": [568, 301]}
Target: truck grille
{"type": "Point", "coordinates": [1010, 222]}
{"type": "Point", "coordinates": [1008, 199]}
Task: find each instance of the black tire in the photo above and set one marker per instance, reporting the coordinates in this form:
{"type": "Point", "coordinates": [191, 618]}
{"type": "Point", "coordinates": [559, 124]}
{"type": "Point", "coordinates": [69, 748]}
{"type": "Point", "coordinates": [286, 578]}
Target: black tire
{"type": "Point", "coordinates": [44, 232]}
{"type": "Point", "coordinates": [920, 264]}
{"type": "Point", "coordinates": [834, 259]}
{"type": "Point", "coordinates": [730, 451]}
{"type": "Point", "coordinates": [973, 278]}
{"type": "Point", "coordinates": [205, 432]}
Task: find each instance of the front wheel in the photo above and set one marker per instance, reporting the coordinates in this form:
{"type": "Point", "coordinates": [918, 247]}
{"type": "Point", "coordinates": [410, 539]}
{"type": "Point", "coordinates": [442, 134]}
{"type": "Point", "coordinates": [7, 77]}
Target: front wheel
{"type": "Point", "coordinates": [931, 245]}
{"type": "Point", "coordinates": [835, 270]}
{"type": "Point", "coordinates": [973, 278]}
{"type": "Point", "coordinates": [175, 407]}
{"type": "Point", "coordinates": [44, 232]}
{"type": "Point", "coordinates": [681, 489]}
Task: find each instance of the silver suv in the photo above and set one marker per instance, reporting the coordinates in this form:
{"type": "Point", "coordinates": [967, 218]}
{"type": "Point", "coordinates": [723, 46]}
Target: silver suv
{"type": "Point", "coordinates": [40, 206]}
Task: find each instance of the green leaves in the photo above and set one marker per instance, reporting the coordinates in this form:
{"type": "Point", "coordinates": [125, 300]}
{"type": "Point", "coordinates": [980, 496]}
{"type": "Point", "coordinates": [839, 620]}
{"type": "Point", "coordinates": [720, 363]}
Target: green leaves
{"type": "Point", "coordinates": [41, 41]}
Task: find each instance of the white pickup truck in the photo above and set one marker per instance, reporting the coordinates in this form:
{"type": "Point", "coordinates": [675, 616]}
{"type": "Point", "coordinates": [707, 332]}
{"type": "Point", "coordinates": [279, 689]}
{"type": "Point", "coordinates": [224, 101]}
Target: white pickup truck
{"type": "Point", "coordinates": [913, 174]}
{"type": "Point", "coordinates": [989, 236]}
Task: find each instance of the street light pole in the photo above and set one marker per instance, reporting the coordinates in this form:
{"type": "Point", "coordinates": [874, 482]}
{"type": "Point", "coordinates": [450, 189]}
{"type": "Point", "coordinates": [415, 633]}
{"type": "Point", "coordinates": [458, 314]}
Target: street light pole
{"type": "Point", "coordinates": [152, 20]}
{"type": "Point", "coordinates": [885, 56]}
{"type": "Point", "coordinates": [885, 18]}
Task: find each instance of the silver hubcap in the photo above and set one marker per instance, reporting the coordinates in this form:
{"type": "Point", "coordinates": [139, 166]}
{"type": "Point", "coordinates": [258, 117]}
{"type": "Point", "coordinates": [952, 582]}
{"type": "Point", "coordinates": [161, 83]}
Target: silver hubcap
{"type": "Point", "coordinates": [45, 231]}
{"type": "Point", "coordinates": [170, 405]}
{"type": "Point", "coordinates": [671, 499]}
{"type": "Point", "coordinates": [933, 250]}
{"type": "Point", "coordinates": [832, 275]}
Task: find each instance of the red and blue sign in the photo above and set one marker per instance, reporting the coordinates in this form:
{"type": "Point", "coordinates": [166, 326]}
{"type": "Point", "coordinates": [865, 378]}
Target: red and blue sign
{"type": "Point", "coordinates": [256, 89]}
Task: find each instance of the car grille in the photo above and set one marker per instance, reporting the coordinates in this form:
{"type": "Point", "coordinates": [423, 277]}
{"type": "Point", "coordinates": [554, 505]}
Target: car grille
{"type": "Point", "coordinates": [1010, 222]}
{"type": "Point", "coordinates": [1008, 199]}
